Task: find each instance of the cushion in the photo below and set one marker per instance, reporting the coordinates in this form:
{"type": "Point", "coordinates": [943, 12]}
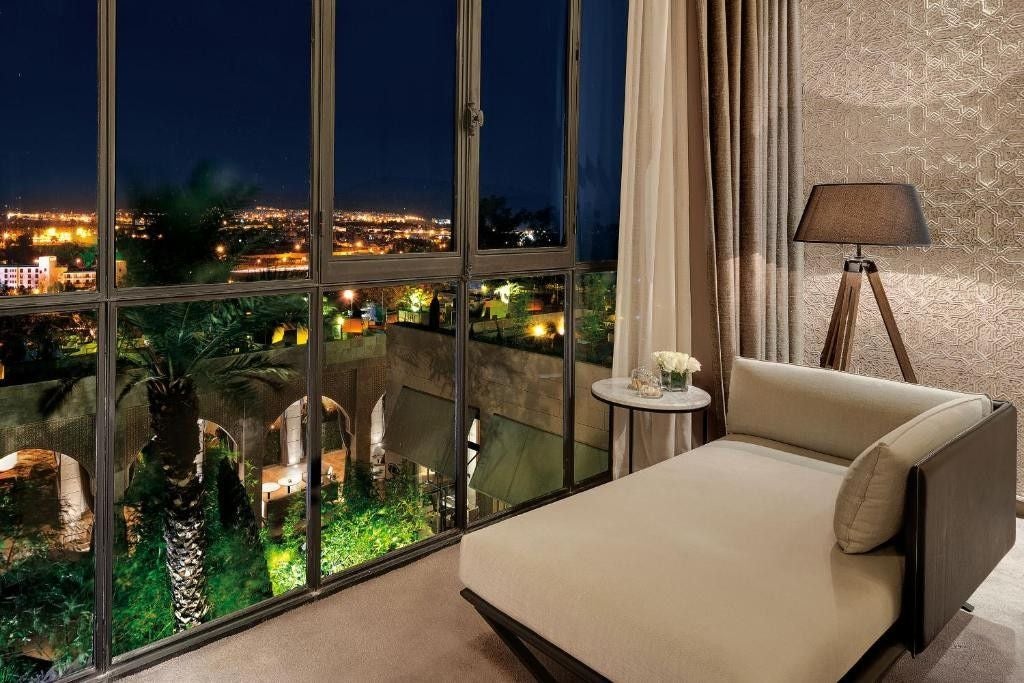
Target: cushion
{"type": "Point", "coordinates": [716, 565]}
{"type": "Point", "coordinates": [869, 507]}
{"type": "Point", "coordinates": [822, 410]}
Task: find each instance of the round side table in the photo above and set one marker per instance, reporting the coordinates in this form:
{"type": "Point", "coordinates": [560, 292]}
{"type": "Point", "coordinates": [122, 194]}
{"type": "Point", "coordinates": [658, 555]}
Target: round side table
{"type": "Point", "coordinates": [616, 393]}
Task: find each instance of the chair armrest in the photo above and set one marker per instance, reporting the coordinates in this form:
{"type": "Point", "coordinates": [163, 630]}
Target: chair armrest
{"type": "Point", "coordinates": [960, 522]}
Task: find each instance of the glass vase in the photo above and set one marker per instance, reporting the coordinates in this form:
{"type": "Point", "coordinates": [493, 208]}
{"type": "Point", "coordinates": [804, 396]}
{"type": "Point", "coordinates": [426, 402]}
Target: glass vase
{"type": "Point", "coordinates": [675, 381]}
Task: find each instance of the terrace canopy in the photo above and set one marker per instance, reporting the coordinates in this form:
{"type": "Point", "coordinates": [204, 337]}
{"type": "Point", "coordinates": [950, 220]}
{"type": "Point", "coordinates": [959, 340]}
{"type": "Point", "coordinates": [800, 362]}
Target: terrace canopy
{"type": "Point", "coordinates": [518, 463]}
{"type": "Point", "coordinates": [412, 431]}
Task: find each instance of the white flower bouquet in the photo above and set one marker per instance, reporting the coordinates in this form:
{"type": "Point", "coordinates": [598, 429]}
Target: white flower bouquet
{"type": "Point", "coordinates": [676, 369]}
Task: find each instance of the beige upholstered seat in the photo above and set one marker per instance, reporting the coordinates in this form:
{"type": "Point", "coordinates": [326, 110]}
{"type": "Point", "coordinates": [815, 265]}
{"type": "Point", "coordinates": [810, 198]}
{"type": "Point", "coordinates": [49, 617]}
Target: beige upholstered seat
{"type": "Point", "coordinates": [721, 564]}
{"type": "Point", "coordinates": [717, 565]}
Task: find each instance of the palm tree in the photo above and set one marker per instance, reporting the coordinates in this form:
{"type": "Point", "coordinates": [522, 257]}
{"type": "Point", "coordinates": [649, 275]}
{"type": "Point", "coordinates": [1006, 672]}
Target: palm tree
{"type": "Point", "coordinates": [179, 351]}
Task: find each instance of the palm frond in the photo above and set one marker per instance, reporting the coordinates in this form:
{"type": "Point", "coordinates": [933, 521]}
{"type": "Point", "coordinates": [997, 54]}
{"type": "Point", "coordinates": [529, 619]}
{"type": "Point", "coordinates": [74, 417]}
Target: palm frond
{"type": "Point", "coordinates": [130, 384]}
{"type": "Point", "coordinates": [240, 378]}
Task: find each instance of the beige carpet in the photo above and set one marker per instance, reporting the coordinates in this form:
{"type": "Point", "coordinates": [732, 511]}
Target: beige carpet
{"type": "Point", "coordinates": [411, 625]}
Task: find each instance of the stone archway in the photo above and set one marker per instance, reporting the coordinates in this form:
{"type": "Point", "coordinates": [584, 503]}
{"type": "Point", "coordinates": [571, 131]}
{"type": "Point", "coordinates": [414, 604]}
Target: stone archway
{"type": "Point", "coordinates": [283, 465]}
{"type": "Point", "coordinates": [52, 496]}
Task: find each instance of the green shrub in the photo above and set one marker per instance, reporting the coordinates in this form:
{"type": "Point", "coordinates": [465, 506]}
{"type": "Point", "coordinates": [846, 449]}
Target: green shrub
{"type": "Point", "coordinates": [368, 522]}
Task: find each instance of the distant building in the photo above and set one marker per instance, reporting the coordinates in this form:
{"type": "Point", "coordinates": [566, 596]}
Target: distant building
{"type": "Point", "coordinates": [79, 279]}
{"type": "Point", "coordinates": [46, 273]}
{"type": "Point", "coordinates": [35, 277]}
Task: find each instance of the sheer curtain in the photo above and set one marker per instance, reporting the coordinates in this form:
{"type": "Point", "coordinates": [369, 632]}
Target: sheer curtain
{"type": "Point", "coordinates": [712, 156]}
{"type": "Point", "coordinates": [653, 290]}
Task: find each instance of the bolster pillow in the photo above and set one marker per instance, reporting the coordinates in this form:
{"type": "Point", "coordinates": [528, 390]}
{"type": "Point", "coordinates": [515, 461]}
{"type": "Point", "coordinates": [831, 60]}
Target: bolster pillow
{"type": "Point", "coordinates": [869, 507]}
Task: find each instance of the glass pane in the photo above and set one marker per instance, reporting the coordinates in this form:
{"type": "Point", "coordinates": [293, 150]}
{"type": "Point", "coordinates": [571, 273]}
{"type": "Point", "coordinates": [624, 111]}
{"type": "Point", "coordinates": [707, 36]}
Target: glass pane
{"type": "Point", "coordinates": [394, 127]}
{"type": "Point", "coordinates": [47, 147]}
{"type": "Point", "coordinates": [47, 493]}
{"type": "Point", "coordinates": [595, 334]}
{"type": "Point", "coordinates": [388, 420]}
{"type": "Point", "coordinates": [212, 143]}
{"type": "Point", "coordinates": [210, 461]}
{"type": "Point", "coordinates": [602, 101]}
{"type": "Point", "coordinates": [522, 145]}
{"type": "Point", "coordinates": [514, 390]}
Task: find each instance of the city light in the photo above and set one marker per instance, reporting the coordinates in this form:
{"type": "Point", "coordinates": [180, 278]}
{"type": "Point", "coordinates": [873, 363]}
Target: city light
{"type": "Point", "coordinates": [284, 242]}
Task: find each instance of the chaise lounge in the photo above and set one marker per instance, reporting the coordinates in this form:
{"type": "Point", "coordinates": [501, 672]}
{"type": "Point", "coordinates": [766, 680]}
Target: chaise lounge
{"type": "Point", "coordinates": [841, 520]}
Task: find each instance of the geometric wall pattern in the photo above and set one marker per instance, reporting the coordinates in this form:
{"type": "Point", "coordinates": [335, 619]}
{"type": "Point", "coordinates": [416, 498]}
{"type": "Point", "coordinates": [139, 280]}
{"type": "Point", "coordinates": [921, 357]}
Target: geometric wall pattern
{"type": "Point", "coordinates": [929, 92]}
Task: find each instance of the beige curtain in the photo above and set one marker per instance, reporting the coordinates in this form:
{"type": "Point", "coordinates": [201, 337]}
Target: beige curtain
{"type": "Point", "coordinates": [750, 91]}
{"type": "Point", "coordinates": [653, 289]}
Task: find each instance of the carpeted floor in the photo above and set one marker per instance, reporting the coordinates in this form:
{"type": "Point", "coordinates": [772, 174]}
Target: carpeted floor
{"type": "Point", "coordinates": [411, 625]}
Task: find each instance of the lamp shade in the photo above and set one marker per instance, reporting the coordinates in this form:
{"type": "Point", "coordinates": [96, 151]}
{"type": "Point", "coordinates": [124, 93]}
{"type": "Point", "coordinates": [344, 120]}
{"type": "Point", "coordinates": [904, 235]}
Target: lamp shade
{"type": "Point", "coordinates": [864, 213]}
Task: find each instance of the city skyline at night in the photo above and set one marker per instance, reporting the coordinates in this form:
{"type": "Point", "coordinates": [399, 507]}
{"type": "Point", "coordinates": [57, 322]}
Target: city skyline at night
{"type": "Point", "coordinates": [233, 125]}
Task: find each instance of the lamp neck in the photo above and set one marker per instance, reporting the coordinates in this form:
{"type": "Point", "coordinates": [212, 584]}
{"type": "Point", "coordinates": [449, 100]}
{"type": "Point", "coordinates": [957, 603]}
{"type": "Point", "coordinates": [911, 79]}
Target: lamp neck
{"type": "Point", "coordinates": [860, 257]}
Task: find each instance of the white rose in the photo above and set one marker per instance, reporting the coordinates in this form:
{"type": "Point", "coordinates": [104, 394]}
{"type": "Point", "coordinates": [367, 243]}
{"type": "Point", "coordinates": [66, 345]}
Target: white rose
{"type": "Point", "coordinates": [662, 360]}
{"type": "Point", "coordinates": [679, 362]}
{"type": "Point", "coordinates": [693, 365]}
{"type": "Point", "coordinates": [670, 361]}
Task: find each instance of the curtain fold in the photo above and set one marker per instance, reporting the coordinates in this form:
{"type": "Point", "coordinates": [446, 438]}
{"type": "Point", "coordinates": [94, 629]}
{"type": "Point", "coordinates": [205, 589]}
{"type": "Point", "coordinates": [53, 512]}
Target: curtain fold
{"type": "Point", "coordinates": [750, 107]}
{"type": "Point", "coordinates": [653, 282]}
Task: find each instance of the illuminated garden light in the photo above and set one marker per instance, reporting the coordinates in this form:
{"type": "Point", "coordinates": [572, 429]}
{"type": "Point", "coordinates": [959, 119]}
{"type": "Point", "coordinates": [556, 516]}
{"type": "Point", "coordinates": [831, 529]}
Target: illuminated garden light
{"type": "Point", "coordinates": [538, 330]}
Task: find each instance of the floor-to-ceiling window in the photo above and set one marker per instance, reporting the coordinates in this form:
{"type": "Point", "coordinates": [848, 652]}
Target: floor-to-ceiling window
{"type": "Point", "coordinates": [287, 290]}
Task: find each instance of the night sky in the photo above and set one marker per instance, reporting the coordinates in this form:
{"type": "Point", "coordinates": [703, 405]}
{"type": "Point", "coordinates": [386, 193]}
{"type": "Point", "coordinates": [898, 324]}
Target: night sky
{"type": "Point", "coordinates": [394, 123]}
{"type": "Point", "coordinates": [48, 104]}
{"type": "Point", "coordinates": [219, 81]}
{"type": "Point", "coordinates": [227, 82]}
{"type": "Point", "coordinates": [522, 86]}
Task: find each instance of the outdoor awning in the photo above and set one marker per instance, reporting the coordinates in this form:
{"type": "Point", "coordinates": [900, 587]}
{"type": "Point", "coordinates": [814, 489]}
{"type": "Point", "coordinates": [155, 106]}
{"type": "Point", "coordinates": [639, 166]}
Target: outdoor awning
{"type": "Point", "coordinates": [518, 463]}
{"type": "Point", "coordinates": [420, 429]}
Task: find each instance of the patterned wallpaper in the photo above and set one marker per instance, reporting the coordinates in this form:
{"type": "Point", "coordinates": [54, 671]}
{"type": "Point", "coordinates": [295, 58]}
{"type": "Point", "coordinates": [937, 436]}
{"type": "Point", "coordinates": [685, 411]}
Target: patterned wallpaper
{"type": "Point", "coordinates": [929, 92]}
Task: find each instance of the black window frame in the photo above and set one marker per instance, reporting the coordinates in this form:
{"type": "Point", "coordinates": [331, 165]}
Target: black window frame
{"type": "Point", "coordinates": [467, 262]}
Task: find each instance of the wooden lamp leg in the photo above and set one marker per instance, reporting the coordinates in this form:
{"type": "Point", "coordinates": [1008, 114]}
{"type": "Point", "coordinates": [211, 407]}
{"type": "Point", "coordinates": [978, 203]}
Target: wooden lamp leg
{"type": "Point", "coordinates": [838, 341]}
{"type": "Point", "coordinates": [895, 338]}
{"type": "Point", "coordinates": [828, 352]}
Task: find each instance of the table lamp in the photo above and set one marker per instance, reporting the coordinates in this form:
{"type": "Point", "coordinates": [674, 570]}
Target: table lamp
{"type": "Point", "coordinates": [886, 214]}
